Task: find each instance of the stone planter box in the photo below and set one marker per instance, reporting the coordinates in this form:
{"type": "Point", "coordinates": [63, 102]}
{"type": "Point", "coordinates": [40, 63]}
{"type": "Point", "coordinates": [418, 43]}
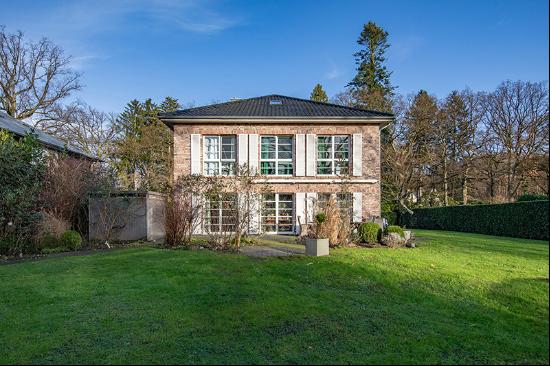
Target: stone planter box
{"type": "Point", "coordinates": [317, 247]}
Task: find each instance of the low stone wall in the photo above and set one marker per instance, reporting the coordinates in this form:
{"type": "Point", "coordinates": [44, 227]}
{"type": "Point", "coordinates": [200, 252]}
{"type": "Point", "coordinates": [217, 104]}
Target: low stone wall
{"type": "Point", "coordinates": [127, 216]}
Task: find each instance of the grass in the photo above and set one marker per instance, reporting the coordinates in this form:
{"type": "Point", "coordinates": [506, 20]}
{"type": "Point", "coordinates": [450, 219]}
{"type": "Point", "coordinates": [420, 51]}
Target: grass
{"type": "Point", "coordinates": [457, 298]}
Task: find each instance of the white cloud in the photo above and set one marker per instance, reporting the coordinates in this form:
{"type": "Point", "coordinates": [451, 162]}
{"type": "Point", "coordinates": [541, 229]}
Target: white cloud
{"type": "Point", "coordinates": [81, 62]}
{"type": "Point", "coordinates": [76, 25]}
{"type": "Point", "coordinates": [107, 15]}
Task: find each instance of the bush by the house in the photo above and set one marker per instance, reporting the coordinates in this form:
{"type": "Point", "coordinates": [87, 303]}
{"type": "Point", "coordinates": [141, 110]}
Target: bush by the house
{"type": "Point", "coordinates": [49, 241]}
{"type": "Point", "coordinates": [520, 219]}
{"type": "Point", "coordinates": [395, 229]}
{"type": "Point", "coordinates": [71, 239]}
{"type": "Point", "coordinates": [390, 216]}
{"type": "Point", "coordinates": [370, 232]}
{"type": "Point", "coordinates": [332, 224]}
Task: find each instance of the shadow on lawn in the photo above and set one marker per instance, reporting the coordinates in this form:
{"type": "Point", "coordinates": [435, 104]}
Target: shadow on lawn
{"type": "Point", "coordinates": [333, 311]}
{"type": "Point", "coordinates": [194, 307]}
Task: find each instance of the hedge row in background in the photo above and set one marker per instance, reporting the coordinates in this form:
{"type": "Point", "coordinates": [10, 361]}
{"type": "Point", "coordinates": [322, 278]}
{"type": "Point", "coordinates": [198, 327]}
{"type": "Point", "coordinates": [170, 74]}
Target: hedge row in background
{"type": "Point", "coordinates": [520, 219]}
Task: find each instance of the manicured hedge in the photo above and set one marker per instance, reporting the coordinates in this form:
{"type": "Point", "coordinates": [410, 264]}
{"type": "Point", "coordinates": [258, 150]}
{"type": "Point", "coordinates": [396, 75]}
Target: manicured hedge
{"type": "Point", "coordinates": [520, 219]}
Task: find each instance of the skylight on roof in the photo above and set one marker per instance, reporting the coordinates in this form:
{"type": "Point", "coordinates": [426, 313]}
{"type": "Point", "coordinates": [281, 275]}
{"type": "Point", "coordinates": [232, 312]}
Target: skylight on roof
{"type": "Point", "coordinates": [275, 102]}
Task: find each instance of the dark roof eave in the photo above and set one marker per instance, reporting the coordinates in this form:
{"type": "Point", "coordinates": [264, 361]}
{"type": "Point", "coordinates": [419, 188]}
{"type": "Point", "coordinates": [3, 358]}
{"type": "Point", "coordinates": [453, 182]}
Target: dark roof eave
{"type": "Point", "coordinates": [172, 120]}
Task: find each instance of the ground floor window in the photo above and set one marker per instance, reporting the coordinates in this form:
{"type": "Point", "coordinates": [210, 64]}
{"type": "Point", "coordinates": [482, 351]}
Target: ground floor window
{"type": "Point", "coordinates": [277, 213]}
{"type": "Point", "coordinates": [221, 213]}
{"type": "Point", "coordinates": [344, 201]}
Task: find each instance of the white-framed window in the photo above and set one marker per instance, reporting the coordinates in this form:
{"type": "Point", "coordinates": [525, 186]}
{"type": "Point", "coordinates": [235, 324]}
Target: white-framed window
{"type": "Point", "coordinates": [278, 213]}
{"type": "Point", "coordinates": [344, 201]}
{"type": "Point", "coordinates": [333, 155]}
{"type": "Point", "coordinates": [220, 154]}
{"type": "Point", "coordinates": [221, 213]}
{"type": "Point", "coordinates": [276, 155]}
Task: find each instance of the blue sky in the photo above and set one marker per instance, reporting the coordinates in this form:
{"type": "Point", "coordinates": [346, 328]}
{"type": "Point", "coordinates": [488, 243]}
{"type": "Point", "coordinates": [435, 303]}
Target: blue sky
{"type": "Point", "coordinates": [201, 51]}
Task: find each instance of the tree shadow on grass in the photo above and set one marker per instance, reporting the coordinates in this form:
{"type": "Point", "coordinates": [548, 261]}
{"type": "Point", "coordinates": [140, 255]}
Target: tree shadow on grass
{"type": "Point", "coordinates": [184, 307]}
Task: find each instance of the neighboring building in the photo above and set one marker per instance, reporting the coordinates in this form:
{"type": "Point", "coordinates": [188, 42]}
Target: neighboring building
{"type": "Point", "coordinates": [20, 129]}
{"type": "Point", "coordinates": [304, 149]}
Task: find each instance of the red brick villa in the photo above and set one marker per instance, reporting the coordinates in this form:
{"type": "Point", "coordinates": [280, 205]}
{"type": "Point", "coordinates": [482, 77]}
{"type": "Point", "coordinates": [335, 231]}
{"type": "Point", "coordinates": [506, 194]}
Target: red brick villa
{"type": "Point", "coordinates": [302, 148]}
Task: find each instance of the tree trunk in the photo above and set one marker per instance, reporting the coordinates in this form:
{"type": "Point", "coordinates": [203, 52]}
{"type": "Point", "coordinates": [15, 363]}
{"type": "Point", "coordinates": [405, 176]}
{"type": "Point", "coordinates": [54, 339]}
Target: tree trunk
{"type": "Point", "coordinates": [465, 183]}
{"type": "Point", "coordinates": [445, 183]}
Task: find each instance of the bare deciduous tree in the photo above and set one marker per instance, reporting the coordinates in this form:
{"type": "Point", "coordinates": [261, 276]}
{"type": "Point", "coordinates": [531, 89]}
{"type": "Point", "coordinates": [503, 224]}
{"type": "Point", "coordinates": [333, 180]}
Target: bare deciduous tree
{"type": "Point", "coordinates": [34, 76]}
{"type": "Point", "coordinates": [83, 126]}
{"type": "Point", "coordinates": [517, 121]}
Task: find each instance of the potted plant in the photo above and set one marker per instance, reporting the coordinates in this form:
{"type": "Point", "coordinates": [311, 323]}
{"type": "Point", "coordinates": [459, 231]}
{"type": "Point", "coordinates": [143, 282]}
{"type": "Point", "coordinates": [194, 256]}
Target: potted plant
{"type": "Point", "coordinates": [317, 244]}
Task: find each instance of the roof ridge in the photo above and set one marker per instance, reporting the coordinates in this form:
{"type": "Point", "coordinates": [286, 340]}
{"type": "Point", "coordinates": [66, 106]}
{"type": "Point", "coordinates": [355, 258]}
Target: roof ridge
{"type": "Point", "coordinates": [239, 101]}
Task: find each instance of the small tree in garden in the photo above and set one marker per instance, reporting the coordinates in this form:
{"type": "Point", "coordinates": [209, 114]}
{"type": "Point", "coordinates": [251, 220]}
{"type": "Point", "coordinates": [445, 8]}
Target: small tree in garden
{"type": "Point", "coordinates": [21, 175]}
{"type": "Point", "coordinates": [185, 205]}
{"type": "Point", "coordinates": [239, 196]}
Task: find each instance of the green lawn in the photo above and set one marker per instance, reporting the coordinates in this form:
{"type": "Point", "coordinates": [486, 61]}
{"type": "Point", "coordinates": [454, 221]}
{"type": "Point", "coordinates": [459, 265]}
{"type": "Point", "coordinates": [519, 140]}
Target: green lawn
{"type": "Point", "coordinates": [457, 298]}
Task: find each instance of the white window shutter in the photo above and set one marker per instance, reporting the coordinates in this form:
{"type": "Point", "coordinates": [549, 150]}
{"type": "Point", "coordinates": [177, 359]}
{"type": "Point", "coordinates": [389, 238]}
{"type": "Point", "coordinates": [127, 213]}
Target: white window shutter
{"type": "Point", "coordinates": [242, 152]}
{"type": "Point", "coordinates": [195, 153]}
{"type": "Point", "coordinates": [300, 157]}
{"type": "Point", "coordinates": [253, 153]}
{"type": "Point", "coordinates": [357, 154]}
{"type": "Point", "coordinates": [255, 213]}
{"type": "Point", "coordinates": [311, 201]}
{"type": "Point", "coordinates": [310, 155]}
{"type": "Point", "coordinates": [300, 210]}
{"type": "Point", "coordinates": [357, 207]}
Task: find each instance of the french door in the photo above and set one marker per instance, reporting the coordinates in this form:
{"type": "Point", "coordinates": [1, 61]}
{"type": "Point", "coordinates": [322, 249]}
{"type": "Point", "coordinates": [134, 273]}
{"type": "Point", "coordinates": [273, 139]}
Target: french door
{"type": "Point", "coordinates": [278, 213]}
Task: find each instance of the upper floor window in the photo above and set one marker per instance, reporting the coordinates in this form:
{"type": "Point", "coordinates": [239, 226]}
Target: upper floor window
{"type": "Point", "coordinates": [220, 153]}
{"type": "Point", "coordinates": [333, 155]}
{"type": "Point", "coordinates": [276, 155]}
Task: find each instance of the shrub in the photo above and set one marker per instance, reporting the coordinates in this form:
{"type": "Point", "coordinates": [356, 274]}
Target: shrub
{"type": "Point", "coordinates": [395, 229]}
{"type": "Point", "coordinates": [370, 232]}
{"type": "Point", "coordinates": [71, 239]}
{"type": "Point", "coordinates": [51, 224]}
{"type": "Point", "coordinates": [21, 172]}
{"type": "Point", "coordinates": [49, 241]}
{"type": "Point", "coordinates": [521, 219]}
{"type": "Point", "coordinates": [320, 217]}
{"type": "Point", "coordinates": [391, 216]}
{"type": "Point", "coordinates": [532, 197]}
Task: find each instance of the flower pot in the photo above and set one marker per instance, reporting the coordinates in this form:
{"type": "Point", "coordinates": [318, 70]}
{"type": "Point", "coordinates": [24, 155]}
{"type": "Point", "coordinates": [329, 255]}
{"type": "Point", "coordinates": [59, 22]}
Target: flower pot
{"type": "Point", "coordinates": [317, 247]}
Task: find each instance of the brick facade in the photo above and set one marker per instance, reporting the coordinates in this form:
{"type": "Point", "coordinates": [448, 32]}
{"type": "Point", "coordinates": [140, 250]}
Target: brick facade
{"type": "Point", "coordinates": [368, 184]}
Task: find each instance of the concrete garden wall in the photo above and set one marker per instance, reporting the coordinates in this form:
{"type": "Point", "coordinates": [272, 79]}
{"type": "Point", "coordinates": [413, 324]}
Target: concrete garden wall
{"type": "Point", "coordinates": [127, 216]}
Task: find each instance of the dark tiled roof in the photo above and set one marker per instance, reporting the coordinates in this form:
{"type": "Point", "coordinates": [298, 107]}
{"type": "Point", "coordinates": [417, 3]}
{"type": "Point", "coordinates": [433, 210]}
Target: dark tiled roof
{"type": "Point", "coordinates": [262, 107]}
{"type": "Point", "coordinates": [20, 128]}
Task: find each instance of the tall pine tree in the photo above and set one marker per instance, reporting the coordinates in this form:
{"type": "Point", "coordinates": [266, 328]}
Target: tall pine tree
{"type": "Point", "coordinates": [371, 85]}
{"type": "Point", "coordinates": [318, 94]}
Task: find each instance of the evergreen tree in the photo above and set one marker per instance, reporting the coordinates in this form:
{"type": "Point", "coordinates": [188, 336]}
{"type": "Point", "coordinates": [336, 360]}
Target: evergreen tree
{"type": "Point", "coordinates": [130, 122]}
{"type": "Point", "coordinates": [371, 86]}
{"type": "Point", "coordinates": [143, 150]}
{"type": "Point", "coordinates": [318, 94]}
{"type": "Point", "coordinates": [169, 104]}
